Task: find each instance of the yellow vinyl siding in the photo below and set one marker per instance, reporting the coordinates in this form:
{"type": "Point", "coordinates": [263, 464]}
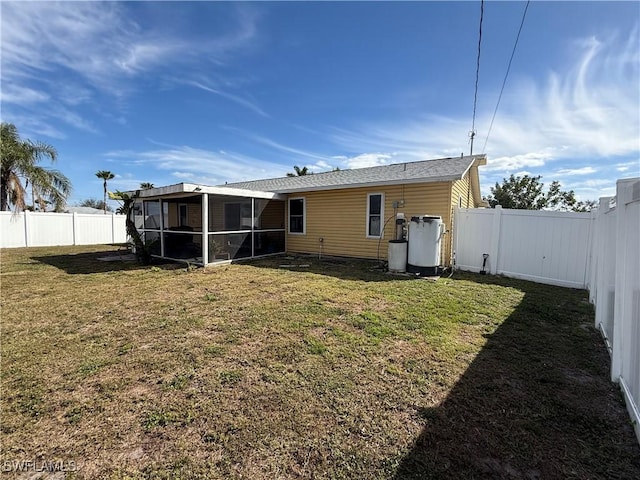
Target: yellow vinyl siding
{"type": "Point", "coordinates": [460, 189]}
{"type": "Point", "coordinates": [339, 217]}
{"type": "Point", "coordinates": [194, 216]}
{"type": "Point", "coordinates": [270, 213]}
{"type": "Point", "coordinates": [173, 215]}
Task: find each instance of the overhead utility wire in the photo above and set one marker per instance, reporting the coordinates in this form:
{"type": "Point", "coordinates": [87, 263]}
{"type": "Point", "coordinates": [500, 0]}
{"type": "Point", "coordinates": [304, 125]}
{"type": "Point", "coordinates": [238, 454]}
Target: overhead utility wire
{"type": "Point", "coordinates": [475, 95]}
{"type": "Point", "coordinates": [524, 14]}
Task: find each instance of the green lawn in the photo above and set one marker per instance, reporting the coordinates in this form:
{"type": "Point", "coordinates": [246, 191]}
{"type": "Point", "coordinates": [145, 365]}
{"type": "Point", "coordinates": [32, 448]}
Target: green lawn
{"type": "Point", "coordinates": [332, 371]}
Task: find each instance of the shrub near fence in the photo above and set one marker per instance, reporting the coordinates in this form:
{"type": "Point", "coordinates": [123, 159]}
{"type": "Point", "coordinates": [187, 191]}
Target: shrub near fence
{"type": "Point", "coordinates": [44, 229]}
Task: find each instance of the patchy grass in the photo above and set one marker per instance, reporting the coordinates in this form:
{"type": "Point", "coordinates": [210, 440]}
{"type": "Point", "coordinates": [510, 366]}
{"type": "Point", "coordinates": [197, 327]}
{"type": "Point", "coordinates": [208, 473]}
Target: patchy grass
{"type": "Point", "coordinates": [333, 371]}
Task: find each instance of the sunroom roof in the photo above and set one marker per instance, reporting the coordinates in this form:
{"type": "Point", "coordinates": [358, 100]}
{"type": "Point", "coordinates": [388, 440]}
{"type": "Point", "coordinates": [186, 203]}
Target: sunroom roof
{"type": "Point", "coordinates": [192, 189]}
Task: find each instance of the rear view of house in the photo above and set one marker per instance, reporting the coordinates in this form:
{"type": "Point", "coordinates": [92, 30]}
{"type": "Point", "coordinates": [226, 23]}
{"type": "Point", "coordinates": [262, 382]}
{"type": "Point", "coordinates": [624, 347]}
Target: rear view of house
{"type": "Point", "coordinates": [342, 213]}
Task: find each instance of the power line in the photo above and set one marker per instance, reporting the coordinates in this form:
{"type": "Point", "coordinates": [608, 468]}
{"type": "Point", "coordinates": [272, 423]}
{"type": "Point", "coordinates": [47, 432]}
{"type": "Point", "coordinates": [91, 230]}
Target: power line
{"type": "Point", "coordinates": [475, 95]}
{"type": "Point", "coordinates": [506, 75]}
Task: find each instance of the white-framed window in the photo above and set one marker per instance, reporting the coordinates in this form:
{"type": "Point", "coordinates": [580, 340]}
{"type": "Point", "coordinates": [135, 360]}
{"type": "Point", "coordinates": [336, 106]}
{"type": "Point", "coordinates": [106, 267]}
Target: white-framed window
{"type": "Point", "coordinates": [375, 214]}
{"type": "Point", "coordinates": [298, 216]}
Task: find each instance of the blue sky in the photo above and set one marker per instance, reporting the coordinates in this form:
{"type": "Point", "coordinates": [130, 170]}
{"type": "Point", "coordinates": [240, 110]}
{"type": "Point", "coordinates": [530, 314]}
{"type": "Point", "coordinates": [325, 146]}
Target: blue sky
{"type": "Point", "coordinates": [209, 92]}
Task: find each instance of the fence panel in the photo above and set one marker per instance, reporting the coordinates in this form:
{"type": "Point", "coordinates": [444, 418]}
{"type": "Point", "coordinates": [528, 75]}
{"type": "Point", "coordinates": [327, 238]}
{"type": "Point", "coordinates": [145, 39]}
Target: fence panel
{"type": "Point", "coordinates": [12, 230]}
{"type": "Point", "coordinates": [45, 229]}
{"type": "Point", "coordinates": [473, 237]}
{"type": "Point", "coordinates": [548, 247]}
{"type": "Point", "coordinates": [95, 229]}
{"type": "Point", "coordinates": [605, 291]}
{"type": "Point", "coordinates": [545, 247]}
{"type": "Point", "coordinates": [41, 229]}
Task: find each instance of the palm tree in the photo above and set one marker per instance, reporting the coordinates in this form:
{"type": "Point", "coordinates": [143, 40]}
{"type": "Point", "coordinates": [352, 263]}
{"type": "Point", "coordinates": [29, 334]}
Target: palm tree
{"type": "Point", "coordinates": [299, 172]}
{"type": "Point", "coordinates": [19, 162]}
{"type": "Point", "coordinates": [146, 186]}
{"type": "Point", "coordinates": [105, 175]}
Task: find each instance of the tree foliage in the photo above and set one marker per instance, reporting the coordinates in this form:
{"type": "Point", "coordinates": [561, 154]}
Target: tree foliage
{"type": "Point", "coordinates": [97, 204]}
{"type": "Point", "coordinates": [146, 186]}
{"type": "Point", "coordinates": [527, 193]}
{"type": "Point", "coordinates": [19, 163]}
{"type": "Point", "coordinates": [299, 172]}
{"type": "Point", "coordinates": [127, 202]}
{"type": "Point", "coordinates": [105, 175]}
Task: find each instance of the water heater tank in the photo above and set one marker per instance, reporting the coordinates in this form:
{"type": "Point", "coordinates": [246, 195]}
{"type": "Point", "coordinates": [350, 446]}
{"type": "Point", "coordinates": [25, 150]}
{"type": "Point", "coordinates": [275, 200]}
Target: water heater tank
{"type": "Point", "coordinates": [425, 235]}
{"type": "Point", "coordinates": [397, 256]}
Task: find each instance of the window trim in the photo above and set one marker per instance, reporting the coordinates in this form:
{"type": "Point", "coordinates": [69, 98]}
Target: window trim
{"type": "Point", "coordinates": [304, 216]}
{"type": "Point", "coordinates": [368, 217]}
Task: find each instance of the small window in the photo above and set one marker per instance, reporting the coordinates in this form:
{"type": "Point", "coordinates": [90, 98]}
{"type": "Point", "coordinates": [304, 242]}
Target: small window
{"type": "Point", "coordinates": [182, 215]}
{"type": "Point", "coordinates": [297, 215]}
{"type": "Point", "coordinates": [375, 214]}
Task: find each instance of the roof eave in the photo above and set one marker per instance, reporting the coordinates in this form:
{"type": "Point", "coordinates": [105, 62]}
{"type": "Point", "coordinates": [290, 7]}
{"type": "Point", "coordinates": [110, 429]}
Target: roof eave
{"type": "Point", "coordinates": [474, 178]}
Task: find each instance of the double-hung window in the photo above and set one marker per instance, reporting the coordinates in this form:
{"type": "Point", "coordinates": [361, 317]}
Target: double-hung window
{"type": "Point", "coordinates": [375, 214]}
{"type": "Point", "coordinates": [297, 215]}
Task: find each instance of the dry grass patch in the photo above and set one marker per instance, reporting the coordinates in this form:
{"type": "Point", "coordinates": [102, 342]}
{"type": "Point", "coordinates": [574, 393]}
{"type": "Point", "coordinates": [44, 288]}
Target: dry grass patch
{"type": "Point", "coordinates": [333, 371]}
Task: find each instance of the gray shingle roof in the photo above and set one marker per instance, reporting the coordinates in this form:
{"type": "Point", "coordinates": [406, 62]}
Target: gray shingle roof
{"type": "Point", "coordinates": [440, 170]}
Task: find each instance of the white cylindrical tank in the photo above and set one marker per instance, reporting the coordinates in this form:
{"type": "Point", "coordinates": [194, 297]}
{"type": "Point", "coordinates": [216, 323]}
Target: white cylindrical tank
{"type": "Point", "coordinates": [397, 256]}
{"type": "Point", "coordinates": [425, 234]}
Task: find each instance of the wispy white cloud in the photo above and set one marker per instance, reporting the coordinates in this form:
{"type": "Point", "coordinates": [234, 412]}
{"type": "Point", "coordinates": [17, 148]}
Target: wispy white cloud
{"type": "Point", "coordinates": [300, 153]}
{"type": "Point", "coordinates": [633, 167]}
{"type": "Point", "coordinates": [365, 160]}
{"type": "Point", "coordinates": [91, 49]}
{"type": "Point", "coordinates": [590, 112]}
{"type": "Point", "coordinates": [244, 102]}
{"type": "Point", "coordinates": [199, 165]}
{"type": "Point", "coordinates": [571, 172]}
{"type": "Point", "coordinates": [22, 95]}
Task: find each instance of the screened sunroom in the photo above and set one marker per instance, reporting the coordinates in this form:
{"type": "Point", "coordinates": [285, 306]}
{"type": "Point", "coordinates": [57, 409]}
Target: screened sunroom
{"type": "Point", "coordinates": [207, 225]}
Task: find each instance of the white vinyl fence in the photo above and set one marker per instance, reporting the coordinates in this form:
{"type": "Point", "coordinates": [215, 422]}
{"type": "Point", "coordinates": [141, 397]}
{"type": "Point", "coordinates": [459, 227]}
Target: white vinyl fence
{"type": "Point", "coordinates": [43, 229]}
{"type": "Point", "coordinates": [614, 287]}
{"type": "Point", "coordinates": [599, 251]}
{"type": "Point", "coordinates": [544, 247]}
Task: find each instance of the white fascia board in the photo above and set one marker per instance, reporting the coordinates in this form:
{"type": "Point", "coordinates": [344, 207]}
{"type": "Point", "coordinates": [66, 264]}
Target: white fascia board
{"type": "Point", "coordinates": [191, 189]}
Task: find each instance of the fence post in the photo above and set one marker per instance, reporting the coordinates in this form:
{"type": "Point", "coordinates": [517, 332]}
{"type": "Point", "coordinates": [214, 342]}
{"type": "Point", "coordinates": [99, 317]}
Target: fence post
{"type": "Point", "coordinates": [113, 228]}
{"type": "Point", "coordinates": [495, 240]}
{"type": "Point", "coordinates": [622, 198]}
{"type": "Point", "coordinates": [587, 264]}
{"type": "Point", "coordinates": [75, 228]}
{"type": "Point", "coordinates": [594, 254]}
{"type": "Point", "coordinates": [456, 217]}
{"type": "Point", "coordinates": [26, 228]}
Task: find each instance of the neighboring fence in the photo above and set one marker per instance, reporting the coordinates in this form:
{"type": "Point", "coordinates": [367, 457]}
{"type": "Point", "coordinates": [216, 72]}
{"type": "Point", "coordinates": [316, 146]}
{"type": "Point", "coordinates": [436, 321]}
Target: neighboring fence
{"type": "Point", "coordinates": [544, 247]}
{"type": "Point", "coordinates": [614, 287]}
{"type": "Point", "coordinates": [42, 229]}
